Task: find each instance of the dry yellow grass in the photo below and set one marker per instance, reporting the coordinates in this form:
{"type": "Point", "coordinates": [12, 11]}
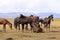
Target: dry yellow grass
{"type": "Point", "coordinates": [54, 33]}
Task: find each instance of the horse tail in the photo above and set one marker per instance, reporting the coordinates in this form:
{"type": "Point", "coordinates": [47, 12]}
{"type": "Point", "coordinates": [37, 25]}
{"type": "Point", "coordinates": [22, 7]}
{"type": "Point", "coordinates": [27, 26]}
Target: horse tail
{"type": "Point", "coordinates": [15, 23]}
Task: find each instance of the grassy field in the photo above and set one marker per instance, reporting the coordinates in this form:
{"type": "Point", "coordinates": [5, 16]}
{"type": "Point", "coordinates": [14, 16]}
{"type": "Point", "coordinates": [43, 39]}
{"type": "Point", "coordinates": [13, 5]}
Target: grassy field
{"type": "Point", "coordinates": [54, 33]}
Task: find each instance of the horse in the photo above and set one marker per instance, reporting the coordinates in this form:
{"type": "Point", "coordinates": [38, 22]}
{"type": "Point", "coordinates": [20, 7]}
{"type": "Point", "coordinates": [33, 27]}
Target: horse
{"type": "Point", "coordinates": [35, 20]}
{"type": "Point", "coordinates": [22, 21]}
{"type": "Point", "coordinates": [47, 21]}
{"type": "Point", "coordinates": [4, 21]}
{"type": "Point", "coordinates": [25, 20]}
{"type": "Point", "coordinates": [41, 21]}
{"type": "Point", "coordinates": [39, 29]}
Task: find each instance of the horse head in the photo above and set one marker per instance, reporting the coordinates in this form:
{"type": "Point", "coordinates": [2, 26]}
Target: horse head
{"type": "Point", "coordinates": [10, 25]}
{"type": "Point", "coordinates": [51, 17]}
{"type": "Point", "coordinates": [22, 16]}
{"type": "Point", "coordinates": [31, 15]}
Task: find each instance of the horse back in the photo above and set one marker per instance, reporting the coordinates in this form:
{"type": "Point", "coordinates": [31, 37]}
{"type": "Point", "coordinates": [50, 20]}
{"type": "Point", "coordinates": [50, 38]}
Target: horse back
{"type": "Point", "coordinates": [2, 21]}
{"type": "Point", "coordinates": [46, 19]}
{"type": "Point", "coordinates": [34, 18]}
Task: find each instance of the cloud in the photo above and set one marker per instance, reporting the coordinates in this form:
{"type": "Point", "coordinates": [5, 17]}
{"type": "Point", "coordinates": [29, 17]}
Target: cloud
{"type": "Point", "coordinates": [30, 6]}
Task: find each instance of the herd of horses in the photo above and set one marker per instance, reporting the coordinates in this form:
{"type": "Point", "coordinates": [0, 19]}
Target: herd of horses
{"type": "Point", "coordinates": [24, 20]}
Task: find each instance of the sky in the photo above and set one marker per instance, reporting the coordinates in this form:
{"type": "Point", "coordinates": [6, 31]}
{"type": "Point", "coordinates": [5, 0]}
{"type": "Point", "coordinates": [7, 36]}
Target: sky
{"type": "Point", "coordinates": [35, 6]}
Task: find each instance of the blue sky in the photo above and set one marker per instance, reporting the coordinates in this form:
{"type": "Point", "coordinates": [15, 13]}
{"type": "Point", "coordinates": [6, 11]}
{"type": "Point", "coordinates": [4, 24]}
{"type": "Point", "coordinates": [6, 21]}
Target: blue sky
{"type": "Point", "coordinates": [35, 6]}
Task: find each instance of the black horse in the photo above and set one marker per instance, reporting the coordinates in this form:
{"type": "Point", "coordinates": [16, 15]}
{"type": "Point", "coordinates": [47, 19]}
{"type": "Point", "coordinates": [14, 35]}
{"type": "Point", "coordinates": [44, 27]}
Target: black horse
{"type": "Point", "coordinates": [46, 22]}
{"type": "Point", "coordinates": [25, 20]}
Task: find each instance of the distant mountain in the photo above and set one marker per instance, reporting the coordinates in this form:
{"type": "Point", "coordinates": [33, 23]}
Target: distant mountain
{"type": "Point", "coordinates": [9, 15]}
{"type": "Point", "coordinates": [16, 14]}
{"type": "Point", "coordinates": [43, 15]}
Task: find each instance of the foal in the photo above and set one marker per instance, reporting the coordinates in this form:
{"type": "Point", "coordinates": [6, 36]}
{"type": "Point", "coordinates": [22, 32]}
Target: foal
{"type": "Point", "coordinates": [47, 22]}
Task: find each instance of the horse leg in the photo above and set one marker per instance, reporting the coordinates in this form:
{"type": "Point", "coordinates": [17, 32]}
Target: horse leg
{"type": "Point", "coordinates": [26, 27]}
{"type": "Point", "coordinates": [45, 27]}
{"type": "Point", "coordinates": [15, 24]}
{"type": "Point", "coordinates": [18, 26]}
{"type": "Point", "coordinates": [4, 27]}
{"type": "Point", "coordinates": [49, 27]}
{"type": "Point", "coordinates": [31, 27]}
{"type": "Point", "coordinates": [22, 27]}
{"type": "Point", "coordinates": [34, 28]}
{"type": "Point", "coordinates": [41, 23]}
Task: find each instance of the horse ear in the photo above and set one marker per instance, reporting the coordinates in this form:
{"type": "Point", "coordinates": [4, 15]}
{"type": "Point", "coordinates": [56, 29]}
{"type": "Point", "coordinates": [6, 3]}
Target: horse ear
{"type": "Point", "coordinates": [20, 14]}
{"type": "Point", "coordinates": [31, 15]}
{"type": "Point", "coordinates": [51, 15]}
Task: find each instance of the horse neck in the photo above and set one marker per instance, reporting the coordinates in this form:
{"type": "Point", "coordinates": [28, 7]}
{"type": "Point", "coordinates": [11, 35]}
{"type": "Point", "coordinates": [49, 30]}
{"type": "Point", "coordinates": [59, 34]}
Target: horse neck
{"type": "Point", "coordinates": [22, 16]}
{"type": "Point", "coordinates": [50, 18]}
{"type": "Point", "coordinates": [8, 22]}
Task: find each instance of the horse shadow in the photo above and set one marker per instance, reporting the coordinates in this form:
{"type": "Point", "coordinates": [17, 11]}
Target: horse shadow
{"type": "Point", "coordinates": [54, 31]}
{"type": "Point", "coordinates": [1, 31]}
{"type": "Point", "coordinates": [26, 36]}
{"type": "Point", "coordinates": [9, 39]}
{"type": "Point", "coordinates": [51, 38]}
{"type": "Point", "coordinates": [55, 27]}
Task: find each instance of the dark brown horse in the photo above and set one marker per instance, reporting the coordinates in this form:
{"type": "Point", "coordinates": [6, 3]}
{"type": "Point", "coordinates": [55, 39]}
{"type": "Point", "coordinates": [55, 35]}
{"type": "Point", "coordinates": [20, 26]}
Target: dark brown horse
{"type": "Point", "coordinates": [47, 22]}
{"type": "Point", "coordinates": [25, 20]}
{"type": "Point", "coordinates": [4, 22]}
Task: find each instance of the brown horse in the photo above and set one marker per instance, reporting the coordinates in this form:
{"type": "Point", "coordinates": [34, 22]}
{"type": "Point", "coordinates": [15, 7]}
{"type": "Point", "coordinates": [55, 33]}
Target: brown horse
{"type": "Point", "coordinates": [39, 29]}
{"type": "Point", "coordinates": [35, 21]}
{"type": "Point", "coordinates": [47, 22]}
{"type": "Point", "coordinates": [4, 22]}
{"type": "Point", "coordinates": [25, 20]}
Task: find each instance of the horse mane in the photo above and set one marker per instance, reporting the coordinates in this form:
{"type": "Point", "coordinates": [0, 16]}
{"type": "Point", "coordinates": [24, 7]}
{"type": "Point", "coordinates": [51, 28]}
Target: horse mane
{"type": "Point", "coordinates": [7, 21]}
{"type": "Point", "coordinates": [31, 15]}
{"type": "Point", "coordinates": [50, 16]}
{"type": "Point", "coordinates": [22, 16]}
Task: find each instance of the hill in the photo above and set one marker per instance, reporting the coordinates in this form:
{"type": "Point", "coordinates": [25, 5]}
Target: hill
{"type": "Point", "coordinates": [15, 14]}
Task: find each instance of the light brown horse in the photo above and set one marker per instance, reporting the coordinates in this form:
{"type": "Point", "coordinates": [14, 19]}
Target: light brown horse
{"type": "Point", "coordinates": [4, 21]}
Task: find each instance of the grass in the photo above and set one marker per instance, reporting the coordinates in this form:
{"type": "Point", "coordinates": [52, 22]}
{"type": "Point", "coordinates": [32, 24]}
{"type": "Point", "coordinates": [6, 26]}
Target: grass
{"type": "Point", "coordinates": [54, 33]}
{"type": "Point", "coordinates": [56, 19]}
